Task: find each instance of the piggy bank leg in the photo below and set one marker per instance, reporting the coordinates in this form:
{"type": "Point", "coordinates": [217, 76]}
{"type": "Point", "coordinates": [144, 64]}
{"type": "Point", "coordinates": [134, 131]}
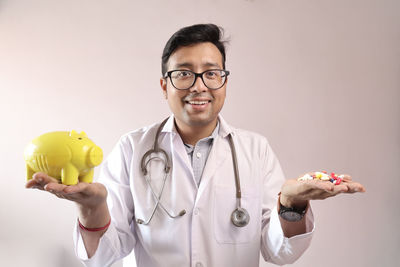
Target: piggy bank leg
{"type": "Point", "coordinates": [88, 177]}
{"type": "Point", "coordinates": [29, 172]}
{"type": "Point", "coordinates": [69, 175]}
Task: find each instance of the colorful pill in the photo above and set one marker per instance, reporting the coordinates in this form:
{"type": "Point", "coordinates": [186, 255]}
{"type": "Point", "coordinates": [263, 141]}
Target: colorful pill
{"type": "Point", "coordinates": [305, 177]}
{"type": "Point", "coordinates": [325, 177]}
{"type": "Point", "coordinates": [318, 175]}
{"type": "Point", "coordinates": [333, 178]}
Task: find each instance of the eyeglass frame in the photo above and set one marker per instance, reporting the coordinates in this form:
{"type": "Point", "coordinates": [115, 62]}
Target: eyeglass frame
{"type": "Point", "coordinates": [196, 75]}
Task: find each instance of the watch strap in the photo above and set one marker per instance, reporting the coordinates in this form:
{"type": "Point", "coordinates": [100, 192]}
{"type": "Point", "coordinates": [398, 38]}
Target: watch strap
{"type": "Point", "coordinates": [292, 214]}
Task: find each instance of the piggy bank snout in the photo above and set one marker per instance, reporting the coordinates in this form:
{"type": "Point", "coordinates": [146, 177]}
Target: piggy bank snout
{"type": "Point", "coordinates": [95, 156]}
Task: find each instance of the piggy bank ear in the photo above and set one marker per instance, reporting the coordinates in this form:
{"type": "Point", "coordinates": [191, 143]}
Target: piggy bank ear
{"type": "Point", "coordinates": [83, 134]}
{"type": "Point", "coordinates": [73, 133]}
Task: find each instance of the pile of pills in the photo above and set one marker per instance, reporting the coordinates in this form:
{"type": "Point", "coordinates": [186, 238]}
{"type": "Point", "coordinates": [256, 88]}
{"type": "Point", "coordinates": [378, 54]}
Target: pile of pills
{"type": "Point", "coordinates": [323, 176]}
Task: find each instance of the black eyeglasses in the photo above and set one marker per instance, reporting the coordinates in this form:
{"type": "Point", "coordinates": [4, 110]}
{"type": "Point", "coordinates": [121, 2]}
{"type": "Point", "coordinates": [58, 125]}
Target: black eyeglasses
{"type": "Point", "coordinates": [184, 79]}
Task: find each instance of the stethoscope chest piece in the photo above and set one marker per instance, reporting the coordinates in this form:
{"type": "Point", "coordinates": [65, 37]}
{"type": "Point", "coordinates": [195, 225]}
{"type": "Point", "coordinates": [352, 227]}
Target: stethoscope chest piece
{"type": "Point", "coordinates": [240, 217]}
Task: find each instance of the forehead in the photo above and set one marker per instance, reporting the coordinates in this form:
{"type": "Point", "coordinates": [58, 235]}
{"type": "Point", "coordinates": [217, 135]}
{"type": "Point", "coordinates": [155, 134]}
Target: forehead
{"type": "Point", "coordinates": [197, 56]}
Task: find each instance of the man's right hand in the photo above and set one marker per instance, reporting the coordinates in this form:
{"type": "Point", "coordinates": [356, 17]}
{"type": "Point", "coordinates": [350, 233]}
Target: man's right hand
{"type": "Point", "coordinates": [91, 201]}
{"type": "Point", "coordinates": [88, 196]}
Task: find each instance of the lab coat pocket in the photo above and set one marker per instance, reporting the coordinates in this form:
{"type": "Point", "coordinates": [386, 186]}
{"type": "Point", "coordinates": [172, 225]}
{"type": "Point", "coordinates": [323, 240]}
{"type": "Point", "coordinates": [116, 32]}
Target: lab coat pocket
{"type": "Point", "coordinates": [224, 204]}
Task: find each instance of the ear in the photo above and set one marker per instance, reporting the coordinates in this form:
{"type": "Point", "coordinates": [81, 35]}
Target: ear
{"type": "Point", "coordinates": [83, 134]}
{"type": "Point", "coordinates": [163, 84]}
{"type": "Point", "coordinates": [73, 133]}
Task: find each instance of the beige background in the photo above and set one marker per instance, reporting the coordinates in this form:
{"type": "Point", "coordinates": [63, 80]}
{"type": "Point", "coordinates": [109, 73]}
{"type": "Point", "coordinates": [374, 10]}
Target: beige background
{"type": "Point", "coordinates": [319, 78]}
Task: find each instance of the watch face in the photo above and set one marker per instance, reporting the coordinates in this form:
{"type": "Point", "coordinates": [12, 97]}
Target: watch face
{"type": "Point", "coordinates": [291, 216]}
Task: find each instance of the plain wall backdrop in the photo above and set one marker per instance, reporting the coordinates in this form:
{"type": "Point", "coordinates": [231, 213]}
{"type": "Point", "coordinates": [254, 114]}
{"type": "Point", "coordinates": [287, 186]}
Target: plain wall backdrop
{"type": "Point", "coordinates": [320, 79]}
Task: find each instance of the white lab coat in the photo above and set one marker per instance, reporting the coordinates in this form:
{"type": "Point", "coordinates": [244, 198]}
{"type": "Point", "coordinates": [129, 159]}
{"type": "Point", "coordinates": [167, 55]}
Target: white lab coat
{"type": "Point", "coordinates": [204, 236]}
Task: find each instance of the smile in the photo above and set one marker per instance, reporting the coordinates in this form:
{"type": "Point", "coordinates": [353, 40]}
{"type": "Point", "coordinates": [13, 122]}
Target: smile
{"type": "Point", "coordinates": [198, 102]}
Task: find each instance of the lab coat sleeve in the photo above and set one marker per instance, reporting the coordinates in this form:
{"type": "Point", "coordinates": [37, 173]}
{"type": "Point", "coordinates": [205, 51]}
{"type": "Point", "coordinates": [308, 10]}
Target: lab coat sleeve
{"type": "Point", "coordinates": [119, 240]}
{"type": "Point", "coordinates": [275, 247]}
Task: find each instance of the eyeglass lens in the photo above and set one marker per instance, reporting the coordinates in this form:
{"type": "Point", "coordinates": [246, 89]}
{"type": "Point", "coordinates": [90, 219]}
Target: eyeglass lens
{"type": "Point", "coordinates": [183, 79]}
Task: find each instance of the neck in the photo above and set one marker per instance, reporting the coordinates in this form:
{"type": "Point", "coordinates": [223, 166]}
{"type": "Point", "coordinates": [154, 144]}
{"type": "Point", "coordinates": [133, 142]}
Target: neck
{"type": "Point", "coordinates": [192, 134]}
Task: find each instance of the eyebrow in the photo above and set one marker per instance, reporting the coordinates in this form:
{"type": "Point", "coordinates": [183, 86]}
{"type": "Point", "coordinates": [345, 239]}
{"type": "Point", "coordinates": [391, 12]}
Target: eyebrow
{"type": "Point", "coordinates": [190, 65]}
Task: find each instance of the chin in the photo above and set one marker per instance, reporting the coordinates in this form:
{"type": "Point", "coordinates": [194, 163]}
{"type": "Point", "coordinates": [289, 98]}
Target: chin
{"type": "Point", "coordinates": [199, 120]}
{"type": "Point", "coordinates": [196, 119]}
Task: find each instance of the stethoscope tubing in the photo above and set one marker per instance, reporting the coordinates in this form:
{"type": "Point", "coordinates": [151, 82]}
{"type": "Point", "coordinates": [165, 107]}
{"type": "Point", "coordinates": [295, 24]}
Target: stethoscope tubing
{"type": "Point", "coordinates": [239, 217]}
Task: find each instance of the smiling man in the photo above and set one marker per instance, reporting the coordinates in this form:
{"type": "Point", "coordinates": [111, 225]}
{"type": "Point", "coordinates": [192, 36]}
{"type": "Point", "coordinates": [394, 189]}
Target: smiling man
{"type": "Point", "coordinates": [195, 88]}
{"type": "Point", "coordinates": [193, 190]}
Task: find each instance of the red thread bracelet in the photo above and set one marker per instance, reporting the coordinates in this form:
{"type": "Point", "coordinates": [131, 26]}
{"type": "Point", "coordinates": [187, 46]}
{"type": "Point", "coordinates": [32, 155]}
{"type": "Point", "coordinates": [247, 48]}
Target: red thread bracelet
{"type": "Point", "coordinates": [94, 229]}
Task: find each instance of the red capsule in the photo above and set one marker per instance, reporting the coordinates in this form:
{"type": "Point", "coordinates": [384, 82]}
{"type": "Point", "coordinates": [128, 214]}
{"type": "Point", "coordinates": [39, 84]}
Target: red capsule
{"type": "Point", "coordinates": [338, 181]}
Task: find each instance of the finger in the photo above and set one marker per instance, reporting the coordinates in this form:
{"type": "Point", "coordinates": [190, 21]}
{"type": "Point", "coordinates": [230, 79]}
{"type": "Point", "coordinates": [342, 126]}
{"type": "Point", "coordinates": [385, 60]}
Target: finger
{"type": "Point", "coordinates": [341, 188]}
{"type": "Point", "coordinates": [58, 192]}
{"type": "Point", "coordinates": [354, 187]}
{"type": "Point", "coordinates": [78, 188]}
{"type": "Point", "coordinates": [84, 192]}
{"type": "Point", "coordinates": [39, 180]}
{"type": "Point", "coordinates": [33, 184]}
{"type": "Point", "coordinates": [42, 178]}
{"type": "Point", "coordinates": [54, 187]}
{"type": "Point", "coordinates": [346, 177]}
{"type": "Point", "coordinates": [325, 189]}
{"type": "Point", "coordinates": [320, 195]}
{"type": "Point", "coordinates": [321, 185]}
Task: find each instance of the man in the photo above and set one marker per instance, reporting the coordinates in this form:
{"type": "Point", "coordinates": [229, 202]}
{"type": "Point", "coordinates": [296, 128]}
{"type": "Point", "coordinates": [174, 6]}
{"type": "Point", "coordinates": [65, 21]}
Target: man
{"type": "Point", "coordinates": [178, 207]}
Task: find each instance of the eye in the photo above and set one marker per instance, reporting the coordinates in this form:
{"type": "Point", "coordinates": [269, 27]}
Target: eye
{"type": "Point", "coordinates": [212, 74]}
{"type": "Point", "coordinates": [185, 73]}
{"type": "Point", "coordinates": [80, 138]}
{"type": "Point", "coordinates": [181, 74]}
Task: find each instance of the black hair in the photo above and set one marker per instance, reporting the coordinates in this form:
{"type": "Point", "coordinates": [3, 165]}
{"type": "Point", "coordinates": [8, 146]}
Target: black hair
{"type": "Point", "coordinates": [194, 34]}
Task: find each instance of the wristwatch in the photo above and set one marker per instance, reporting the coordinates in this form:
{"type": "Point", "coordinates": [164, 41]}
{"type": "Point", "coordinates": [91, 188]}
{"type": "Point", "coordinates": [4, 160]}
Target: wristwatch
{"type": "Point", "coordinates": [291, 214]}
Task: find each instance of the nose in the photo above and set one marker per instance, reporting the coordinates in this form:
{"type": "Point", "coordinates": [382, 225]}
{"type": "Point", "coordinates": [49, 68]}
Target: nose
{"type": "Point", "coordinates": [95, 156]}
{"type": "Point", "coordinates": [198, 86]}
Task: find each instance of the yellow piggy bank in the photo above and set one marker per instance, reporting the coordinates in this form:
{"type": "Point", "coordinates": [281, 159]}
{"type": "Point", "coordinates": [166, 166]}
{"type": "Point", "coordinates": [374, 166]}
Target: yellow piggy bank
{"type": "Point", "coordinates": [67, 156]}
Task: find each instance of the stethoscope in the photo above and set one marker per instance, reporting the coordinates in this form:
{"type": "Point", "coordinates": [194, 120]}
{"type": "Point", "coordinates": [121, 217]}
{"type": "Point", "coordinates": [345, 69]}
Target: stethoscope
{"type": "Point", "coordinates": [240, 217]}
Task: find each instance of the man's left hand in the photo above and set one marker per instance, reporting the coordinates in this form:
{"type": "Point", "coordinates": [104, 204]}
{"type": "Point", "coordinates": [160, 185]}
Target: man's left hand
{"type": "Point", "coordinates": [296, 193]}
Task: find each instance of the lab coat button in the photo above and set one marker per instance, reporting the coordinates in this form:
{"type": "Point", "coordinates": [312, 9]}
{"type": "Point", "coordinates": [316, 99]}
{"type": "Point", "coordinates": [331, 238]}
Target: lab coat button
{"type": "Point", "coordinates": [199, 264]}
{"type": "Point", "coordinates": [196, 212]}
{"type": "Point", "coordinates": [198, 155]}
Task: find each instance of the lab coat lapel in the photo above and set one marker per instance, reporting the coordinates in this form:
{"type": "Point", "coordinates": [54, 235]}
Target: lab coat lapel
{"type": "Point", "coordinates": [180, 153]}
{"type": "Point", "coordinates": [176, 146]}
{"type": "Point", "coordinates": [218, 154]}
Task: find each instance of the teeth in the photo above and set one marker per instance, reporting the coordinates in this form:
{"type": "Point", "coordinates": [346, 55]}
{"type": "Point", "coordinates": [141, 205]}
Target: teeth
{"type": "Point", "coordinates": [198, 102]}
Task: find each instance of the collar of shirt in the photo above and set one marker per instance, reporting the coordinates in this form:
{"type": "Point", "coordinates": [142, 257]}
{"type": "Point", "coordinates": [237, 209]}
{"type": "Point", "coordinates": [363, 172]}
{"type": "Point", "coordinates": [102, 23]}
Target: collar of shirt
{"type": "Point", "coordinates": [201, 150]}
{"type": "Point", "coordinates": [208, 140]}
{"type": "Point", "coordinates": [223, 131]}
